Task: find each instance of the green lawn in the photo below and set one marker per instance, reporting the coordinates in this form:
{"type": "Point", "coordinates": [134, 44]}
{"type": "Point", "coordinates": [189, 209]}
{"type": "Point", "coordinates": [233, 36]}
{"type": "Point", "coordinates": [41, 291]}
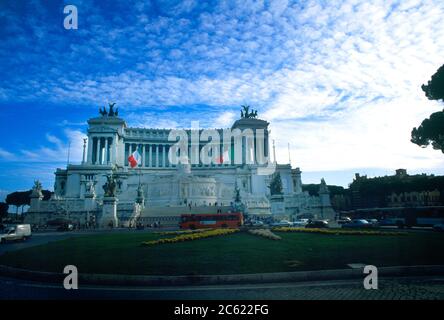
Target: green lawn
{"type": "Point", "coordinates": [237, 253]}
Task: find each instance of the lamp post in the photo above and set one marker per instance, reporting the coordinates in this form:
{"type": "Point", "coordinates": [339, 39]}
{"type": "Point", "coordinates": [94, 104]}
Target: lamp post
{"type": "Point", "coordinates": [84, 151]}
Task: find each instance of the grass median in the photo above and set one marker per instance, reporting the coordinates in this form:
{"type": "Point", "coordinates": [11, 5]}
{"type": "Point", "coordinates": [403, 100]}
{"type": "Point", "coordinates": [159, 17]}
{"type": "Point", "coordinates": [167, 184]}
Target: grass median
{"type": "Point", "coordinates": [122, 253]}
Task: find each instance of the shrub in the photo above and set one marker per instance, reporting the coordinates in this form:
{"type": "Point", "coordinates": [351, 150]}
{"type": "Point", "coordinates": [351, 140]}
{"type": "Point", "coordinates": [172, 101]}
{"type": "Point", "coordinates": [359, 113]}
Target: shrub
{"type": "Point", "coordinates": [339, 231]}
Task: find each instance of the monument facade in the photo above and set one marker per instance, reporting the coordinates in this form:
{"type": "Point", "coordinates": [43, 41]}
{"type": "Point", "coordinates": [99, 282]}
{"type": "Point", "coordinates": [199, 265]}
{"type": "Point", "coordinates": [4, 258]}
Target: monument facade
{"type": "Point", "coordinates": [128, 173]}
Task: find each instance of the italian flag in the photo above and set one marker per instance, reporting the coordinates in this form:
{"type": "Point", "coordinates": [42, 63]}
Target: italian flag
{"type": "Point", "coordinates": [134, 159]}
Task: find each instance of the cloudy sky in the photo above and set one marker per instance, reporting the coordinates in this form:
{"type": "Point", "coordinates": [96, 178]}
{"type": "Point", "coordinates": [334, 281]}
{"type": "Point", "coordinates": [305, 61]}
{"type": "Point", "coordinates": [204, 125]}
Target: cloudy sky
{"type": "Point", "coordinates": [338, 80]}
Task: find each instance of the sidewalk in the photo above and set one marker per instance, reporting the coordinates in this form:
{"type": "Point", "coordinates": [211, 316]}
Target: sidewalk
{"type": "Point", "coordinates": [198, 280]}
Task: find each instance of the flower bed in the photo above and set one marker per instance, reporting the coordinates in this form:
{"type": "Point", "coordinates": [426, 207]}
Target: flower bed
{"type": "Point", "coordinates": [191, 236]}
{"type": "Point", "coordinates": [187, 231]}
{"type": "Point", "coordinates": [339, 231]}
{"type": "Point", "coordinates": [266, 233]}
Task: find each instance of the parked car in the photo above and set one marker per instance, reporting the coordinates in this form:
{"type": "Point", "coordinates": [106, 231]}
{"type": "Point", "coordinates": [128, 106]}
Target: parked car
{"type": "Point", "coordinates": [358, 223]}
{"type": "Point", "coordinates": [15, 233]}
{"type": "Point", "coordinates": [373, 222]}
{"type": "Point", "coordinates": [390, 222]}
{"type": "Point", "coordinates": [300, 223]}
{"type": "Point", "coordinates": [317, 224]}
{"type": "Point", "coordinates": [439, 227]}
{"type": "Point", "coordinates": [344, 220]}
{"type": "Point", "coordinates": [66, 227]}
{"type": "Point", "coordinates": [140, 226]}
{"type": "Point", "coordinates": [282, 223]}
{"type": "Point", "coordinates": [257, 223]}
{"type": "Point", "coordinates": [254, 223]}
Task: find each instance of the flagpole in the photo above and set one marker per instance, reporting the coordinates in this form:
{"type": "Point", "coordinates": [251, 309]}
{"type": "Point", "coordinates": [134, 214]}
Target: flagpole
{"type": "Point", "coordinates": [142, 158]}
{"type": "Point", "coordinates": [289, 154]}
{"type": "Point", "coordinates": [274, 152]}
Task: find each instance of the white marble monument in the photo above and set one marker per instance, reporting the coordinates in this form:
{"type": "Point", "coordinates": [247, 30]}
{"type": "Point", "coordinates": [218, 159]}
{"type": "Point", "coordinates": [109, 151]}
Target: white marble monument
{"type": "Point", "coordinates": [169, 189]}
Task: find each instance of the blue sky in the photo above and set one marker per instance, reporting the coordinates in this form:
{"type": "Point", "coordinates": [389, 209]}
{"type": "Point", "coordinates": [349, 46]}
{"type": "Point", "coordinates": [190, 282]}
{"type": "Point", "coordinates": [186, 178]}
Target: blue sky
{"type": "Point", "coordinates": [338, 80]}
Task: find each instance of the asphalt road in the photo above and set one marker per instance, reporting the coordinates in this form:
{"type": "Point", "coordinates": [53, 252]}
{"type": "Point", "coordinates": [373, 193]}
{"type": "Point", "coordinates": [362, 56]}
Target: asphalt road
{"type": "Point", "coordinates": [430, 288]}
{"type": "Point", "coordinates": [39, 238]}
{"type": "Point", "coordinates": [36, 239]}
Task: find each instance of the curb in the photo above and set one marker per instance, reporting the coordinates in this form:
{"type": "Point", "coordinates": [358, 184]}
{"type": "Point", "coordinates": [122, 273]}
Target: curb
{"type": "Point", "coordinates": [145, 280]}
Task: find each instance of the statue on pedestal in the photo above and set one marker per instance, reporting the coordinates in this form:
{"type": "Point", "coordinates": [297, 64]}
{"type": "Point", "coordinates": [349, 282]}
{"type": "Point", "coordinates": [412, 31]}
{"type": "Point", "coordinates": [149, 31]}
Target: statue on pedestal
{"type": "Point", "coordinates": [111, 113]}
{"type": "Point", "coordinates": [276, 184]}
{"type": "Point", "coordinates": [245, 113]}
{"type": "Point", "coordinates": [237, 197]}
{"type": "Point", "coordinates": [90, 190]}
{"type": "Point", "coordinates": [277, 205]}
{"type": "Point", "coordinates": [323, 187]}
{"type": "Point", "coordinates": [110, 186]}
{"type": "Point", "coordinates": [37, 190]}
{"type": "Point", "coordinates": [238, 206]}
{"type": "Point", "coordinates": [109, 208]}
{"type": "Point", "coordinates": [140, 198]}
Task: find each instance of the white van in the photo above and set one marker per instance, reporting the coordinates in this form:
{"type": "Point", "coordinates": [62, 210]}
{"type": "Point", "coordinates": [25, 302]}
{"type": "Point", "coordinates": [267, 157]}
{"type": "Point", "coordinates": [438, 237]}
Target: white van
{"type": "Point", "coordinates": [18, 232]}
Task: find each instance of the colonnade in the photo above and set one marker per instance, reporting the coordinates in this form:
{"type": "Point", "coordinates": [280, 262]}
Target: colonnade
{"type": "Point", "coordinates": [104, 151]}
{"type": "Point", "coordinates": [153, 155]}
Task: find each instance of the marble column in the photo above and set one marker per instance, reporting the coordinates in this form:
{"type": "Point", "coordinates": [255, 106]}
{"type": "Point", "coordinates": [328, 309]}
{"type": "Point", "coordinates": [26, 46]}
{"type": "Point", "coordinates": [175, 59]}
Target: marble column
{"type": "Point", "coordinates": [105, 153]}
{"type": "Point", "coordinates": [125, 155]}
{"type": "Point", "coordinates": [157, 155]}
{"type": "Point", "coordinates": [98, 143]}
{"type": "Point", "coordinates": [111, 150]}
{"type": "Point", "coordinates": [90, 149]}
{"type": "Point", "coordinates": [102, 150]}
{"type": "Point", "coordinates": [143, 155]}
{"type": "Point", "coordinates": [115, 155]}
{"type": "Point", "coordinates": [150, 156]}
{"type": "Point", "coordinates": [164, 155]}
{"type": "Point", "coordinates": [84, 151]}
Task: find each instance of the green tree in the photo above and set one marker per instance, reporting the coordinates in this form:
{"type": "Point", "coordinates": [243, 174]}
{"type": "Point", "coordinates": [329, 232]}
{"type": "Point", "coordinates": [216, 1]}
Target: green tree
{"type": "Point", "coordinates": [276, 184]}
{"type": "Point", "coordinates": [434, 90]}
{"type": "Point", "coordinates": [18, 199]}
{"type": "Point", "coordinates": [3, 210]}
{"type": "Point", "coordinates": [431, 130]}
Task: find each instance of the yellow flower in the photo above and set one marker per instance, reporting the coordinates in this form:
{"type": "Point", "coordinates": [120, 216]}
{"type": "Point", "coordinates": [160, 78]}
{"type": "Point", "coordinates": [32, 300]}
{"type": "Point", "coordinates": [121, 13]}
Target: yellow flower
{"type": "Point", "coordinates": [188, 236]}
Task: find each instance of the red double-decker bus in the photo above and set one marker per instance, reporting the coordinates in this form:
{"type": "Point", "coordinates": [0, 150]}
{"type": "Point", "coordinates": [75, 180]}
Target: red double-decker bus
{"type": "Point", "coordinates": [217, 220]}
